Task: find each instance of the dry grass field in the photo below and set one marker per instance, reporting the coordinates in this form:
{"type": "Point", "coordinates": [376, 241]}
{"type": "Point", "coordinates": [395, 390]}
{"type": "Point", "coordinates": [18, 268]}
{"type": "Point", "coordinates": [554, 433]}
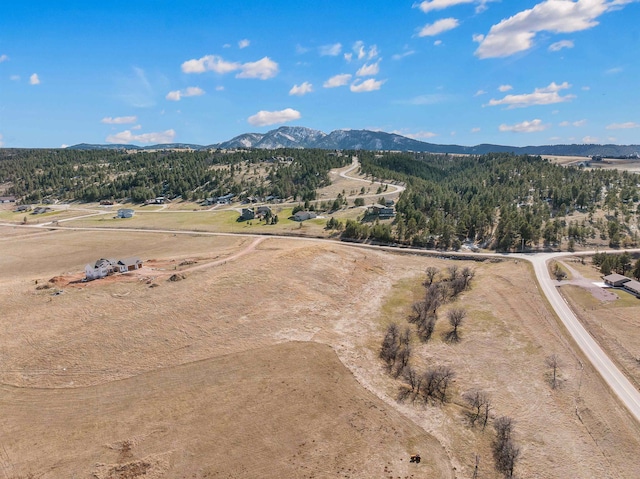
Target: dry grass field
{"type": "Point", "coordinates": [263, 362]}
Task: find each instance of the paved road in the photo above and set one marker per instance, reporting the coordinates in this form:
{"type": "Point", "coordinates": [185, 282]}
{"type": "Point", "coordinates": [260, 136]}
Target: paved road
{"type": "Point", "coordinates": [620, 385]}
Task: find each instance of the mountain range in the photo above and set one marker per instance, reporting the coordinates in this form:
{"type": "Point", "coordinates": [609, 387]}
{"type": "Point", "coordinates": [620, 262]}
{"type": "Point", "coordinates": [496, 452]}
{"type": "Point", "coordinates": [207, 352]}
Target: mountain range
{"type": "Point", "coordinates": [301, 137]}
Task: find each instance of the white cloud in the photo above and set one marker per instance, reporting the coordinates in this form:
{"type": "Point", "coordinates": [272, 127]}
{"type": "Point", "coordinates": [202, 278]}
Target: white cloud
{"type": "Point", "coordinates": [219, 88]}
{"type": "Point", "coordinates": [244, 43]}
{"type": "Point", "coordinates": [64, 145]}
{"type": "Point", "coordinates": [348, 57]}
{"type": "Point", "coordinates": [475, 130]}
{"type": "Point", "coordinates": [262, 69]}
{"type": "Point", "coordinates": [430, 5]}
{"type": "Point", "coordinates": [586, 88]}
{"type": "Point", "coordinates": [119, 120]}
{"type": "Point", "coordinates": [623, 126]}
{"type": "Point", "coordinates": [480, 92]}
{"type": "Point", "coordinates": [369, 70]}
{"type": "Point", "coordinates": [517, 33]}
{"type": "Point", "coordinates": [614, 71]}
{"type": "Point", "coordinates": [330, 50]}
{"type": "Point", "coordinates": [421, 135]}
{"type": "Point", "coordinates": [541, 96]}
{"type": "Point", "coordinates": [14, 77]}
{"type": "Point", "coordinates": [301, 90]}
{"type": "Point", "coordinates": [177, 95]}
{"type": "Point", "coordinates": [361, 51]}
{"type": "Point", "coordinates": [430, 99]}
{"type": "Point", "coordinates": [34, 80]}
{"type": "Point", "coordinates": [437, 43]}
{"type": "Point", "coordinates": [3, 58]}
{"type": "Point", "coordinates": [337, 80]}
{"type": "Point", "coordinates": [557, 46]}
{"type": "Point", "coordinates": [136, 127]}
{"type": "Point", "coordinates": [128, 137]}
{"type": "Point", "coordinates": [263, 118]}
{"type": "Point", "coordinates": [578, 123]}
{"type": "Point", "coordinates": [525, 127]}
{"type": "Point", "coordinates": [368, 85]}
{"type": "Point", "coordinates": [210, 63]}
{"type": "Point", "coordinates": [590, 139]}
{"type": "Point", "coordinates": [438, 27]}
{"type": "Point", "coordinates": [504, 88]}
{"type": "Point", "coordinates": [400, 56]}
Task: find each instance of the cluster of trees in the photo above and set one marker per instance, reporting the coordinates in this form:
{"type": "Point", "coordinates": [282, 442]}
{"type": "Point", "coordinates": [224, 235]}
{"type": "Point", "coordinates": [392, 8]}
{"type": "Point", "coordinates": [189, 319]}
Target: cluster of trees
{"type": "Point", "coordinates": [92, 175]}
{"type": "Point", "coordinates": [437, 293]}
{"type": "Point", "coordinates": [617, 263]}
{"type": "Point", "coordinates": [501, 200]}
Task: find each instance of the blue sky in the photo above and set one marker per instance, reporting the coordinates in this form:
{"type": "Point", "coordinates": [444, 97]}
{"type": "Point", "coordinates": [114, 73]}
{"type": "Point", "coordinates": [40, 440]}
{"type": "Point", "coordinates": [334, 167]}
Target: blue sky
{"type": "Point", "coordinates": [516, 72]}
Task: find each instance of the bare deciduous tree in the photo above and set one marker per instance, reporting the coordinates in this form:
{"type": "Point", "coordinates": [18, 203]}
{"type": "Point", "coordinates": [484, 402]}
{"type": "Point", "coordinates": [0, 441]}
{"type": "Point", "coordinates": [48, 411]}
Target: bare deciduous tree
{"type": "Point", "coordinates": [468, 275]}
{"type": "Point", "coordinates": [395, 350]}
{"type": "Point", "coordinates": [505, 451]}
{"type": "Point", "coordinates": [432, 272]}
{"type": "Point", "coordinates": [435, 383]}
{"type": "Point", "coordinates": [453, 272]}
{"type": "Point", "coordinates": [456, 318]}
{"type": "Point", "coordinates": [554, 363]}
{"type": "Point", "coordinates": [412, 383]}
{"type": "Point", "coordinates": [480, 404]}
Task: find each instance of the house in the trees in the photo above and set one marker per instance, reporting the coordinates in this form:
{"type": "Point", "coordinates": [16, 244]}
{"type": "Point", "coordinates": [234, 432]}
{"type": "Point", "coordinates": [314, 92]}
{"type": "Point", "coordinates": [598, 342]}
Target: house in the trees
{"type": "Point", "coordinates": [381, 211]}
{"type": "Point", "coordinates": [7, 199]}
{"type": "Point", "coordinates": [615, 280]}
{"type": "Point", "coordinates": [264, 211]}
{"type": "Point", "coordinates": [126, 213]}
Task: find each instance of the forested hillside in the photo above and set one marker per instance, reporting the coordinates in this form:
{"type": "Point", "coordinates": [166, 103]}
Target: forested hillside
{"type": "Point", "coordinates": [505, 201]}
{"type": "Point", "coordinates": [499, 200]}
{"type": "Point", "coordinates": [92, 175]}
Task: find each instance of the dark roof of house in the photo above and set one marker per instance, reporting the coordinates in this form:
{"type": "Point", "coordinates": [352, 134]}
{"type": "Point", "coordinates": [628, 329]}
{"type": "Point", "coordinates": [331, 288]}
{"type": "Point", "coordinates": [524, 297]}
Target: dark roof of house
{"type": "Point", "coordinates": [633, 286]}
{"type": "Point", "coordinates": [615, 278]}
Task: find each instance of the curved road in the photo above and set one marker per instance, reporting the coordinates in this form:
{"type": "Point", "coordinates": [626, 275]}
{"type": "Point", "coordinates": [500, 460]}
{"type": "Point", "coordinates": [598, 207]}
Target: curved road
{"type": "Point", "coordinates": [617, 381]}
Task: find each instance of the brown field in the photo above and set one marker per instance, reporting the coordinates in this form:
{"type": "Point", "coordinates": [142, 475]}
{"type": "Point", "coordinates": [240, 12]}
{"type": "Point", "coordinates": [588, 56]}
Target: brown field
{"type": "Point", "coordinates": [263, 362]}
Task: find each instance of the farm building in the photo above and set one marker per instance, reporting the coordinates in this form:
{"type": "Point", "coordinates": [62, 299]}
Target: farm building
{"type": "Point", "coordinates": [7, 199]}
{"type": "Point", "coordinates": [616, 280]}
{"type": "Point", "coordinates": [126, 213]}
{"type": "Point", "coordinates": [632, 287]}
{"type": "Point", "coordinates": [304, 215]}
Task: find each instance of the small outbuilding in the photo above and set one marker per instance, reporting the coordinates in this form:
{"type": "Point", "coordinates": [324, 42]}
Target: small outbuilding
{"type": "Point", "coordinates": [615, 280]}
{"type": "Point", "coordinates": [7, 199]}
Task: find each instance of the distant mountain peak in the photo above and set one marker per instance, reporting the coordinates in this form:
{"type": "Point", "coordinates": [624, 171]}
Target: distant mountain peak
{"type": "Point", "coordinates": [350, 139]}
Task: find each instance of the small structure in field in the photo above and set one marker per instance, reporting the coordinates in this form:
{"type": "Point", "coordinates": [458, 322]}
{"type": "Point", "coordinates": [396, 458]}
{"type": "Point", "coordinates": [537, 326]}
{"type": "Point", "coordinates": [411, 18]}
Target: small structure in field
{"type": "Point", "coordinates": [7, 199]}
{"type": "Point", "coordinates": [126, 213]}
{"type": "Point", "coordinates": [381, 211]}
{"type": "Point", "coordinates": [616, 280]}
